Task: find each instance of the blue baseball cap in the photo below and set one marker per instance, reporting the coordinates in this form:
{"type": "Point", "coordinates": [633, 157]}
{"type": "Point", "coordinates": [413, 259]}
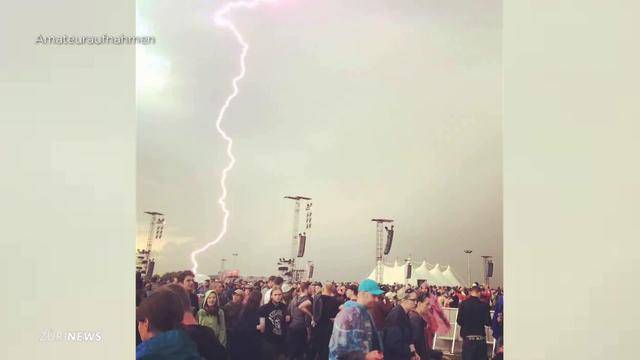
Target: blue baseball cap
{"type": "Point", "coordinates": [370, 286]}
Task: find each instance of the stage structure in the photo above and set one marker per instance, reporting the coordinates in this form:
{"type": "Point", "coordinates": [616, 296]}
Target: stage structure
{"type": "Point", "coordinates": [408, 269]}
{"type": "Point", "coordinates": [144, 262]}
{"type": "Point", "coordinates": [488, 268]}
{"type": "Point", "coordinates": [298, 239]}
{"type": "Point", "coordinates": [310, 270]}
{"type": "Point", "coordinates": [468, 252]}
{"type": "Point", "coordinates": [379, 251]}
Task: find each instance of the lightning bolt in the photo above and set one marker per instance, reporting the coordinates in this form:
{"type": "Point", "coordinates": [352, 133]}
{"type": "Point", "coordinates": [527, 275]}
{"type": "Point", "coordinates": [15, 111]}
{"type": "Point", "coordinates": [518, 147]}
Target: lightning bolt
{"type": "Point", "coordinates": [220, 20]}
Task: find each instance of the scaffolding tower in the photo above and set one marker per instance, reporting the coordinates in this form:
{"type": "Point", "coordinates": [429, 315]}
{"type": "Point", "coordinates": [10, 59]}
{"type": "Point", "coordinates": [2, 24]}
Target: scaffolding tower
{"type": "Point", "coordinates": [379, 249]}
{"type": "Point", "coordinates": [298, 240]}
{"type": "Point", "coordinates": [144, 262]}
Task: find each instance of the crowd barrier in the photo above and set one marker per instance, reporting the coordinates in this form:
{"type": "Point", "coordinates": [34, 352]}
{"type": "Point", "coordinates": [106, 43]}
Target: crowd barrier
{"type": "Point", "coordinates": [452, 342]}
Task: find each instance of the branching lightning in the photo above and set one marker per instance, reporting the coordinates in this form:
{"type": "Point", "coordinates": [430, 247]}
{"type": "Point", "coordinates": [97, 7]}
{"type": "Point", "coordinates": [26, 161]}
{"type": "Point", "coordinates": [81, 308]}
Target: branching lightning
{"type": "Point", "coordinates": [221, 20]}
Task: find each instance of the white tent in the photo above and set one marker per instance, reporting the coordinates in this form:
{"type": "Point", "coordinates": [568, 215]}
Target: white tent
{"type": "Point", "coordinates": [396, 274]}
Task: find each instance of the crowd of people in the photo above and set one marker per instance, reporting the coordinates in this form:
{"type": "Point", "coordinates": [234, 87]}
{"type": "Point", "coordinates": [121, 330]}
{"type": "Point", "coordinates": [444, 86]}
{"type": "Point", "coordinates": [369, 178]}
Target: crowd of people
{"type": "Point", "coordinates": [238, 319]}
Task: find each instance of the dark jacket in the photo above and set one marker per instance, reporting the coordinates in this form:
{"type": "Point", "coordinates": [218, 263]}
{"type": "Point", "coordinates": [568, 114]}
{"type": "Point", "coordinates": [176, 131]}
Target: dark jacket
{"type": "Point", "coordinates": [473, 316]}
{"type": "Point", "coordinates": [231, 312]}
{"type": "Point", "coordinates": [397, 335]}
{"type": "Point", "coordinates": [244, 341]}
{"type": "Point", "coordinates": [206, 341]}
{"type": "Point", "coordinates": [168, 345]}
{"type": "Point", "coordinates": [497, 320]}
{"type": "Point", "coordinates": [418, 326]}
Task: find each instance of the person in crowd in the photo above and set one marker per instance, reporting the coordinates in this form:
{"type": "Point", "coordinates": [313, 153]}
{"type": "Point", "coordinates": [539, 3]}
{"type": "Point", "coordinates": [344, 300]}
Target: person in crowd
{"type": "Point", "coordinates": [276, 283]}
{"type": "Point", "coordinates": [341, 294]}
{"type": "Point", "coordinates": [212, 315]}
{"type": "Point", "coordinates": [218, 287]}
{"type": "Point", "coordinates": [497, 325]}
{"type": "Point", "coordinates": [186, 280]}
{"type": "Point", "coordinates": [299, 328]}
{"type": "Point", "coordinates": [419, 327]}
{"type": "Point", "coordinates": [245, 338]}
{"type": "Point", "coordinates": [441, 298]}
{"type": "Point", "coordinates": [437, 321]}
{"type": "Point", "coordinates": [264, 290]}
{"type": "Point", "coordinates": [317, 289]}
{"type": "Point", "coordinates": [485, 295]}
{"type": "Point", "coordinates": [397, 333]}
{"type": "Point", "coordinates": [354, 333]}
{"type": "Point", "coordinates": [379, 310]}
{"type": "Point", "coordinates": [272, 325]}
{"type": "Point", "coordinates": [389, 298]}
{"type": "Point", "coordinates": [205, 339]}
{"type": "Point", "coordinates": [140, 295]}
{"type": "Point", "coordinates": [454, 300]}
{"type": "Point", "coordinates": [473, 316]}
{"type": "Point", "coordinates": [229, 288]}
{"type": "Point", "coordinates": [325, 309]}
{"type": "Point", "coordinates": [288, 293]}
{"type": "Point", "coordinates": [499, 355]}
{"type": "Point", "coordinates": [498, 318]}
{"type": "Point", "coordinates": [248, 288]}
{"type": "Point", "coordinates": [232, 308]}
{"type": "Point", "coordinates": [204, 286]}
{"type": "Point", "coordinates": [159, 319]}
{"type": "Point", "coordinates": [351, 293]}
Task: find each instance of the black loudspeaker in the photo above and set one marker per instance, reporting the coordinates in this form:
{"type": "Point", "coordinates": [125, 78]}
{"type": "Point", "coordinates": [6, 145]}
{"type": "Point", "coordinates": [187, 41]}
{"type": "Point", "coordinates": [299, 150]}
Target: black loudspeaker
{"type": "Point", "coordinates": [387, 246]}
{"type": "Point", "coordinates": [490, 269]}
{"type": "Point", "coordinates": [301, 244]}
{"type": "Point", "coordinates": [408, 271]}
{"type": "Point", "coordinates": [152, 265]}
{"type": "Point", "coordinates": [310, 271]}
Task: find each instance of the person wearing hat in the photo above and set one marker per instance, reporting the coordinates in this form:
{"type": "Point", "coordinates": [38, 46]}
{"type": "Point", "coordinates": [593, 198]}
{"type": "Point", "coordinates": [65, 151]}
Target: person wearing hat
{"type": "Point", "coordinates": [287, 293]}
{"type": "Point", "coordinates": [354, 333]}
{"type": "Point", "coordinates": [232, 308]}
{"type": "Point", "coordinates": [473, 316]}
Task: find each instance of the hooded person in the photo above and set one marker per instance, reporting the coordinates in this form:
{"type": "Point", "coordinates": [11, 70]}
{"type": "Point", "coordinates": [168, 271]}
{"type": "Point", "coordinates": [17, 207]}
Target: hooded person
{"type": "Point", "coordinates": [159, 322]}
{"type": "Point", "coordinates": [212, 315]}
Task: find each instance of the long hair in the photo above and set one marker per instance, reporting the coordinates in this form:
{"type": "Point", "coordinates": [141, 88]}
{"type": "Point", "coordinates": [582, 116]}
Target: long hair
{"type": "Point", "coordinates": [253, 302]}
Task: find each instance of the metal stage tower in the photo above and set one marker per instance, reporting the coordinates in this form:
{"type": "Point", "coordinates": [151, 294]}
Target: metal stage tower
{"type": "Point", "coordinates": [145, 264]}
{"type": "Point", "coordinates": [468, 252]}
{"type": "Point", "coordinates": [487, 268]}
{"type": "Point", "coordinates": [298, 240]}
{"type": "Point", "coordinates": [379, 250]}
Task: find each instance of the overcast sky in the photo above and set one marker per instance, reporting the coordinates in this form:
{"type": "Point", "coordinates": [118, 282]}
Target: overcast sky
{"type": "Point", "coordinates": [372, 108]}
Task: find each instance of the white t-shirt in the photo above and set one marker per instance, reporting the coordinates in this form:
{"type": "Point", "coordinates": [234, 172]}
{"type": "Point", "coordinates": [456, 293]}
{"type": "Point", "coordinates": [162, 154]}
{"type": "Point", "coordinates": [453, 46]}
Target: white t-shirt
{"type": "Point", "coordinates": [266, 298]}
